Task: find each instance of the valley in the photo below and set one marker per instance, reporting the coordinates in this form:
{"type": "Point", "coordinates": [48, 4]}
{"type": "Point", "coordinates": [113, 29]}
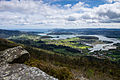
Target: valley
{"type": "Point", "coordinates": [72, 44]}
{"type": "Point", "coordinates": [69, 56]}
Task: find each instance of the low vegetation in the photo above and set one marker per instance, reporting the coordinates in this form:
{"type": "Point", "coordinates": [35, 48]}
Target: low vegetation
{"type": "Point", "coordinates": [66, 67]}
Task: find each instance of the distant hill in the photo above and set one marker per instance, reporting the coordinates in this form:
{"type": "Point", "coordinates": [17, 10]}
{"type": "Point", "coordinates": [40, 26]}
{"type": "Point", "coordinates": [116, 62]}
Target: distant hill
{"type": "Point", "coordinates": [8, 33]}
{"type": "Point", "coordinates": [113, 33]}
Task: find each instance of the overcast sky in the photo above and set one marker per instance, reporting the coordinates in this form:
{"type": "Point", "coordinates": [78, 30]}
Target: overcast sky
{"type": "Point", "coordinates": [36, 14]}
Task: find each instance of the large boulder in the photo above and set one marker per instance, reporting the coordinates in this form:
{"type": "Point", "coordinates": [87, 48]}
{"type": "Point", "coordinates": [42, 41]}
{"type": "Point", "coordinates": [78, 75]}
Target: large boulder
{"type": "Point", "coordinates": [12, 69]}
{"type": "Point", "coordinates": [13, 55]}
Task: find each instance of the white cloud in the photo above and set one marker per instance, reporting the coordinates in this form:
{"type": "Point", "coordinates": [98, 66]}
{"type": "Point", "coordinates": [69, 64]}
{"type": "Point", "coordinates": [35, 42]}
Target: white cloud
{"type": "Point", "coordinates": [37, 13]}
{"type": "Point", "coordinates": [102, 14]}
{"type": "Point", "coordinates": [111, 1]}
{"type": "Point", "coordinates": [67, 6]}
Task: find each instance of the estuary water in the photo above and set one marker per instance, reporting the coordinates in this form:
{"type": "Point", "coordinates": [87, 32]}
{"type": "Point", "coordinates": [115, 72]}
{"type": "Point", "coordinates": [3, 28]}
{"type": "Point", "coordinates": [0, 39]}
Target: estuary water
{"type": "Point", "coordinates": [105, 46]}
{"type": "Point", "coordinates": [97, 47]}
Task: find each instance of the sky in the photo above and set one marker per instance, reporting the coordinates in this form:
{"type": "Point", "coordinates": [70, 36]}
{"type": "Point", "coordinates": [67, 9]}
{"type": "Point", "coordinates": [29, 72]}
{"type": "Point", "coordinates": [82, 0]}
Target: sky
{"type": "Point", "coordinates": [47, 14]}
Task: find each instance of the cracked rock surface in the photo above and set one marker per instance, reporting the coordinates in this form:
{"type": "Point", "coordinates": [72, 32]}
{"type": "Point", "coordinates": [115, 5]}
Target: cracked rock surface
{"type": "Point", "coordinates": [16, 71]}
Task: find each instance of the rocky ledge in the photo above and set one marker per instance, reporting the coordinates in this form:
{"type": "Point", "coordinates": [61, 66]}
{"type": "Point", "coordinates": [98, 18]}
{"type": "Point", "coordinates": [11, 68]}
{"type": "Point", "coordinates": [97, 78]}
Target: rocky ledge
{"type": "Point", "coordinates": [12, 69]}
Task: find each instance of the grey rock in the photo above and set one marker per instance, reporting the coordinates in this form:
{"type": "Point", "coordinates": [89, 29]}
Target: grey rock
{"type": "Point", "coordinates": [12, 54]}
{"type": "Point", "coordinates": [22, 72]}
{"type": "Point", "coordinates": [17, 71]}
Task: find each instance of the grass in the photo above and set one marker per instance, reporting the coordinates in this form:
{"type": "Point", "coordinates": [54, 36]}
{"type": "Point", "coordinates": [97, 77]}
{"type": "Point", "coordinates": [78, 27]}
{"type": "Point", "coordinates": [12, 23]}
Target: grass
{"type": "Point", "coordinates": [72, 42]}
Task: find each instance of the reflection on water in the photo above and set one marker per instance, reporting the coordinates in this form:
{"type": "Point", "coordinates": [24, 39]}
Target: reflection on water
{"type": "Point", "coordinates": [97, 47]}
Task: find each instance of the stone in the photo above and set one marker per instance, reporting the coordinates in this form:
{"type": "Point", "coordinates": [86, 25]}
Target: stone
{"type": "Point", "coordinates": [14, 55]}
{"type": "Point", "coordinates": [22, 72]}
{"type": "Point", "coordinates": [12, 69]}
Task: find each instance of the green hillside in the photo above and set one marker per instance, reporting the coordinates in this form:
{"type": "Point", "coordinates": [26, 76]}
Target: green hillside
{"type": "Point", "coordinates": [68, 67]}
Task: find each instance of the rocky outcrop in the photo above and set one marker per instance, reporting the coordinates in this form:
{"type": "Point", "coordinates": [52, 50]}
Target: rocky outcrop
{"type": "Point", "coordinates": [13, 55]}
{"type": "Point", "coordinates": [11, 69]}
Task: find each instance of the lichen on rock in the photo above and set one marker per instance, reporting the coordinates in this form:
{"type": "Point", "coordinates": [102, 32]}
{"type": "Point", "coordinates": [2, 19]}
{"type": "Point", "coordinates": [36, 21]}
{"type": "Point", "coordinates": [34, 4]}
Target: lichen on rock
{"type": "Point", "coordinates": [12, 69]}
